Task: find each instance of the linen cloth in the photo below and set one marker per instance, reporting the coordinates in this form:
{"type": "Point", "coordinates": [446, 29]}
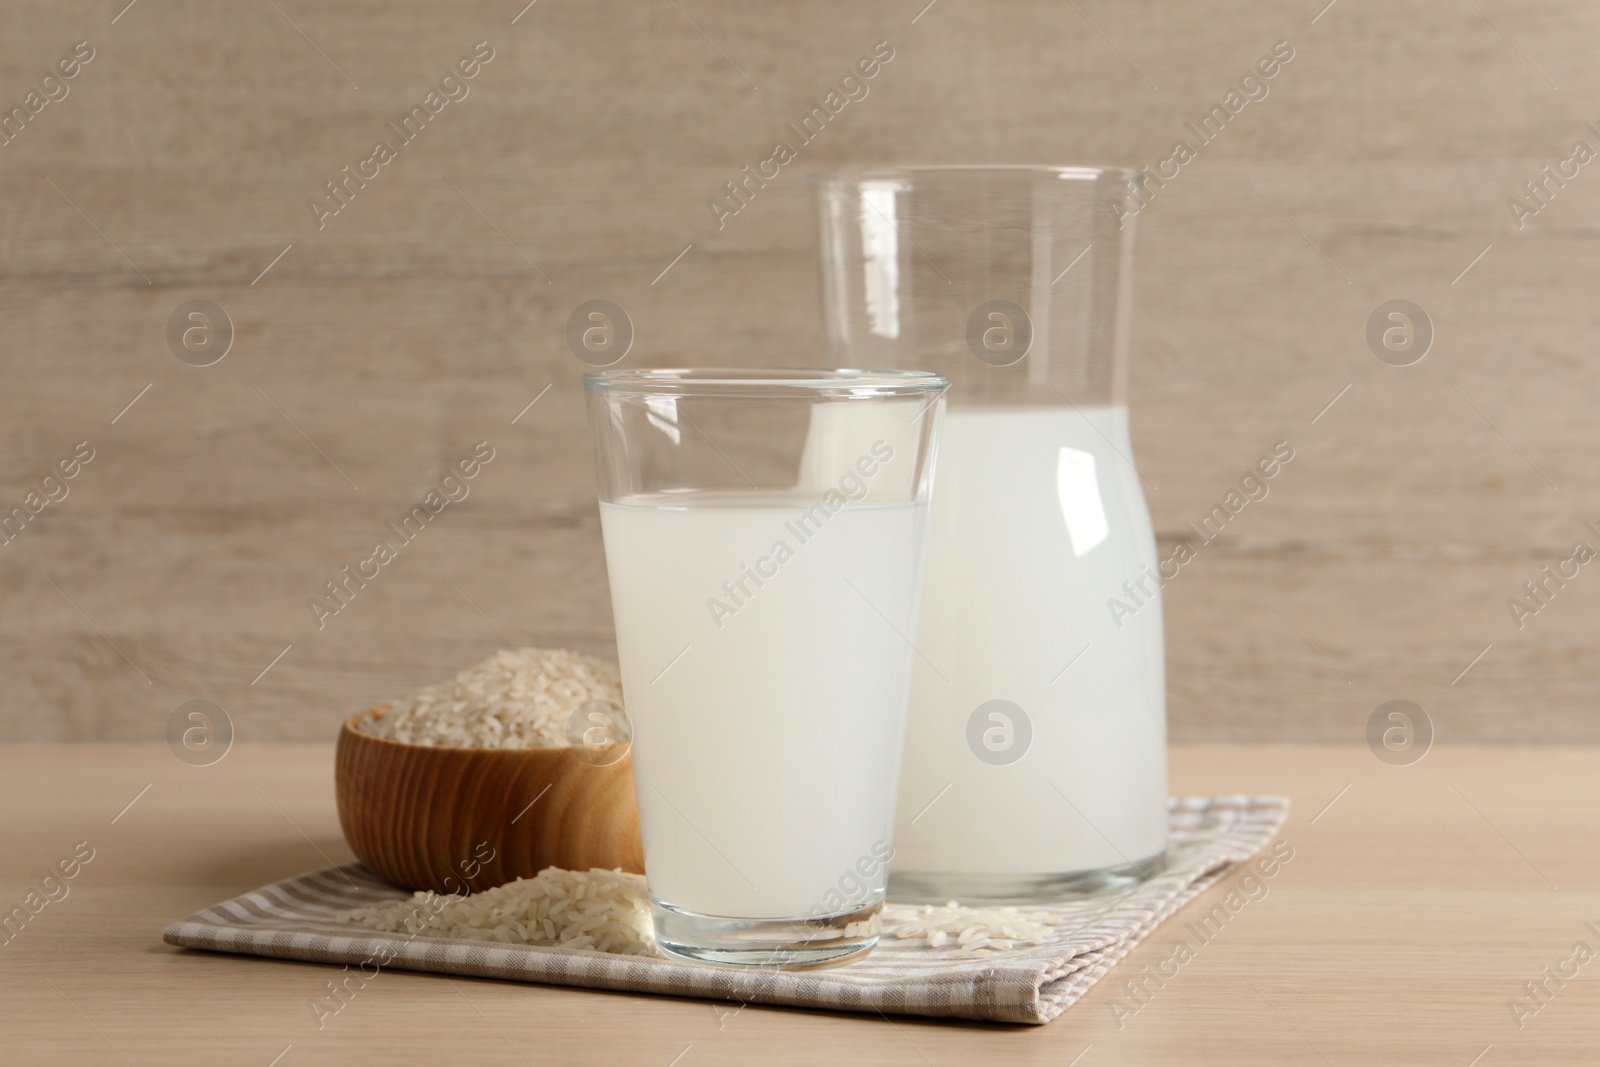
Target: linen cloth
{"type": "Point", "coordinates": [1209, 836]}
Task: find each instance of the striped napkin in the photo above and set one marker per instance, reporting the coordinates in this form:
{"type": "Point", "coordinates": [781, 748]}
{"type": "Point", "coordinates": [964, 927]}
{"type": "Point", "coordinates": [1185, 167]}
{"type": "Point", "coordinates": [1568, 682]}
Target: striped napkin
{"type": "Point", "coordinates": [296, 919]}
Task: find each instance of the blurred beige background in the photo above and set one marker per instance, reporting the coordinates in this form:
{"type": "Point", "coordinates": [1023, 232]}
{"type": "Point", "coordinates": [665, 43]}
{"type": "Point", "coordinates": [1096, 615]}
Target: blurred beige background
{"type": "Point", "coordinates": [424, 317]}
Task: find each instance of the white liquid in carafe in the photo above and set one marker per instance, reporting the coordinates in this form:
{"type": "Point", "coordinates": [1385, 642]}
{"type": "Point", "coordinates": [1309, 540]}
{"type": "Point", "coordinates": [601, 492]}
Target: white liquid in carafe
{"type": "Point", "coordinates": [1037, 520]}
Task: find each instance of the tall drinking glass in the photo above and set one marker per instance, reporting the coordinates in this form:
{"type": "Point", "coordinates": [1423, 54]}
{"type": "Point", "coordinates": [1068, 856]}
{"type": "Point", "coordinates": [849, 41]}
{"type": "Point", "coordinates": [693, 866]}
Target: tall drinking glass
{"type": "Point", "coordinates": [1036, 744]}
{"type": "Point", "coordinates": [764, 538]}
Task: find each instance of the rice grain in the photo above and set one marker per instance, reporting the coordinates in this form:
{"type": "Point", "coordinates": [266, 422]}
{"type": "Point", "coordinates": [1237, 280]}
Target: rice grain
{"type": "Point", "coordinates": [510, 700]}
{"type": "Point", "coordinates": [600, 910]}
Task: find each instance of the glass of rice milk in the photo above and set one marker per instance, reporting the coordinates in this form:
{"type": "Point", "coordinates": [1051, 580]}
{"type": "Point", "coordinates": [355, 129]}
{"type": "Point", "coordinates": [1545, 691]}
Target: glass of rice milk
{"type": "Point", "coordinates": [1035, 763]}
{"type": "Point", "coordinates": [764, 536]}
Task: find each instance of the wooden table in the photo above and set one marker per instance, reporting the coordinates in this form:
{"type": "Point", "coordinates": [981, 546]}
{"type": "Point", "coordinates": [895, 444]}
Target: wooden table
{"type": "Point", "coordinates": [1419, 901]}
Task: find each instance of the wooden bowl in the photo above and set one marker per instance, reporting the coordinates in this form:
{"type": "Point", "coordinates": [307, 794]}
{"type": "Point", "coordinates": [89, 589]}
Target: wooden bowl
{"type": "Point", "coordinates": [459, 819]}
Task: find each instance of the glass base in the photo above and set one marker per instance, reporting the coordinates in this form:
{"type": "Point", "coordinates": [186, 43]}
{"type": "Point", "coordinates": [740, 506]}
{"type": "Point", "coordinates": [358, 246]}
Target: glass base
{"type": "Point", "coordinates": [924, 887]}
{"type": "Point", "coordinates": [777, 944]}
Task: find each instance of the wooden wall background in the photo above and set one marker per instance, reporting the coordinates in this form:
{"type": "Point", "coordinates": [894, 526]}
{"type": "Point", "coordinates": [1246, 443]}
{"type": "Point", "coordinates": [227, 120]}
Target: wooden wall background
{"type": "Point", "coordinates": [416, 324]}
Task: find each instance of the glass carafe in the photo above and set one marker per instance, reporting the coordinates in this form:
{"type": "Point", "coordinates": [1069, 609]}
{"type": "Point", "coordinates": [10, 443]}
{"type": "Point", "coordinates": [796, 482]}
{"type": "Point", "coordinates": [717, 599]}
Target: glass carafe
{"type": "Point", "coordinates": [1035, 760]}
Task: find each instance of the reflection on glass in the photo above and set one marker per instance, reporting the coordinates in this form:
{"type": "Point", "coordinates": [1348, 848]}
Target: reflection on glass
{"type": "Point", "coordinates": [880, 250]}
{"type": "Point", "coordinates": [1078, 490]}
{"type": "Point", "coordinates": [662, 412]}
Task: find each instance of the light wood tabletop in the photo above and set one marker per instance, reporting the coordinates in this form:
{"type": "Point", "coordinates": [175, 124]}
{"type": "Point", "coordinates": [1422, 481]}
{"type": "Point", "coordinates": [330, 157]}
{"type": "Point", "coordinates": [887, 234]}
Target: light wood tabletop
{"type": "Point", "coordinates": [1418, 903]}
